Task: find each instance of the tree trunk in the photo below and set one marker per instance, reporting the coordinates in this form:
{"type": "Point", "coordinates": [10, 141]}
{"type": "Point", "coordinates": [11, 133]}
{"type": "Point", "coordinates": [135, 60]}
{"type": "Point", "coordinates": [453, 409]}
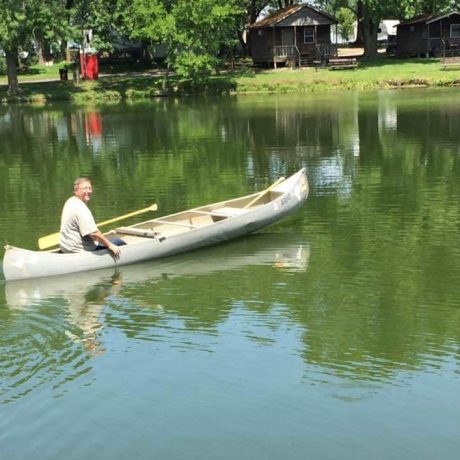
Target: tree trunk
{"type": "Point", "coordinates": [12, 71]}
{"type": "Point", "coordinates": [359, 28]}
{"type": "Point", "coordinates": [253, 12]}
{"type": "Point", "coordinates": [40, 51]}
{"type": "Point", "coordinates": [285, 3]}
{"type": "Point", "coordinates": [64, 50]}
{"type": "Point", "coordinates": [146, 56]}
{"type": "Point", "coordinates": [370, 32]}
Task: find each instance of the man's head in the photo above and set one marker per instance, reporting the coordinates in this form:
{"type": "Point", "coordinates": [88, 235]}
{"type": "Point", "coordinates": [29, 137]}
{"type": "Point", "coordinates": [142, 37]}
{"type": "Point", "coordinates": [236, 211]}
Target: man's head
{"type": "Point", "coordinates": [82, 188]}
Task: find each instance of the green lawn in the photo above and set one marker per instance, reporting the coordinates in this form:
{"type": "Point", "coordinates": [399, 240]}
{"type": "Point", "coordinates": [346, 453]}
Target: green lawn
{"type": "Point", "coordinates": [41, 84]}
{"type": "Point", "coordinates": [382, 73]}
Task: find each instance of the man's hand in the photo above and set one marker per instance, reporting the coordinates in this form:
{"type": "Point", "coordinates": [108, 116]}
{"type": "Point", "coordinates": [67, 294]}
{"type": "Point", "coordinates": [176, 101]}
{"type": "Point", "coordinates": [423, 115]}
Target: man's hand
{"type": "Point", "coordinates": [114, 249]}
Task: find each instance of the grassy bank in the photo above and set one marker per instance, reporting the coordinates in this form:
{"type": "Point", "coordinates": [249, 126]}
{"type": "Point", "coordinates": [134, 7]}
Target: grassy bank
{"type": "Point", "coordinates": [383, 73]}
{"type": "Point", "coordinates": [42, 87]}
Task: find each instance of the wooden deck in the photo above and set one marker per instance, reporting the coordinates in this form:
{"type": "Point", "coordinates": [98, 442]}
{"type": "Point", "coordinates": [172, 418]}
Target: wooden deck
{"type": "Point", "coordinates": [337, 64]}
{"type": "Point", "coordinates": [342, 63]}
{"type": "Point", "coordinates": [450, 62]}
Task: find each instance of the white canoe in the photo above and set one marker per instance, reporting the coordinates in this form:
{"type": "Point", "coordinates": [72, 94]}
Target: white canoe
{"type": "Point", "coordinates": [168, 235]}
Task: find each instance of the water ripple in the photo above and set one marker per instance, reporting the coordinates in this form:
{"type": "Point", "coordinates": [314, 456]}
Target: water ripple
{"type": "Point", "coordinates": [36, 351]}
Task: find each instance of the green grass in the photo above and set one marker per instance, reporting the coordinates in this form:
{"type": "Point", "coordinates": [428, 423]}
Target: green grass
{"type": "Point", "coordinates": [382, 73]}
{"type": "Point", "coordinates": [41, 85]}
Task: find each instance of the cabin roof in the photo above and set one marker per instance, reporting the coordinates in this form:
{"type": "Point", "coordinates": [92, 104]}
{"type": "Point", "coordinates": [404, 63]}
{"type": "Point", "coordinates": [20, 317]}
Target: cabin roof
{"type": "Point", "coordinates": [273, 19]}
{"type": "Point", "coordinates": [428, 18]}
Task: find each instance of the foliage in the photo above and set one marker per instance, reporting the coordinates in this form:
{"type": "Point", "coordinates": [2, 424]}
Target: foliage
{"type": "Point", "coordinates": [98, 16]}
{"type": "Point", "coordinates": [2, 65]}
{"type": "Point", "coordinates": [253, 9]}
{"type": "Point", "coordinates": [22, 22]}
{"type": "Point", "coordinates": [194, 33]}
{"type": "Point", "coordinates": [346, 20]}
{"type": "Point", "coordinates": [14, 23]}
{"type": "Point", "coordinates": [197, 35]}
{"type": "Point", "coordinates": [369, 13]}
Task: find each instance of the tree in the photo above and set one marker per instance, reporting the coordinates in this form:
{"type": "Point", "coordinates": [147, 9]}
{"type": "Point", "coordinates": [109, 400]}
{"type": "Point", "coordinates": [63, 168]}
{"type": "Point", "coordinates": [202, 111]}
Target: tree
{"type": "Point", "coordinates": [369, 13]}
{"type": "Point", "coordinates": [278, 4]}
{"type": "Point", "coordinates": [253, 9]}
{"type": "Point", "coordinates": [13, 33]}
{"type": "Point", "coordinates": [194, 33]}
{"type": "Point", "coordinates": [101, 17]}
{"type": "Point", "coordinates": [21, 23]}
{"type": "Point", "coordinates": [346, 20]}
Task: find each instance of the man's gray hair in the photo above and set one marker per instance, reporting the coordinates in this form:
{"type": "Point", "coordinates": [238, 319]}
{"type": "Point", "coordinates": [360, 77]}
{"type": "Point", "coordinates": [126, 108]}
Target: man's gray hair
{"type": "Point", "coordinates": [80, 180]}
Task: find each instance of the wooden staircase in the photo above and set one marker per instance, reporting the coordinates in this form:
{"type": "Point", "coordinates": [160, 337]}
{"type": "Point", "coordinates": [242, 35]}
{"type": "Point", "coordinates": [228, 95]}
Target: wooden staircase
{"type": "Point", "coordinates": [306, 60]}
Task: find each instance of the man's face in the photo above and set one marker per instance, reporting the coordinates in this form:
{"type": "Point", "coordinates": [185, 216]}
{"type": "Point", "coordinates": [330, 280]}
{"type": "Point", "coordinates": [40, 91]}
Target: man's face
{"type": "Point", "coordinates": [84, 191]}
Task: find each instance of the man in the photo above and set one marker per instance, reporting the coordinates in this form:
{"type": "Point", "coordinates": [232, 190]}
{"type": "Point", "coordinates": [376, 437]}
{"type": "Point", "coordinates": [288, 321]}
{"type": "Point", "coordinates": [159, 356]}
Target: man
{"type": "Point", "coordinates": [79, 231]}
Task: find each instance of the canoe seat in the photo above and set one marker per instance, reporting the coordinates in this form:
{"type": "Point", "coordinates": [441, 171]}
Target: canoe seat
{"type": "Point", "coordinates": [229, 212]}
{"type": "Point", "coordinates": [202, 220]}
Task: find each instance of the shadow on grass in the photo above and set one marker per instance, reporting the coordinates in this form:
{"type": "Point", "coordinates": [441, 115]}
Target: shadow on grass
{"type": "Point", "coordinates": [41, 91]}
{"type": "Point", "coordinates": [389, 61]}
{"type": "Point", "coordinates": [29, 71]}
{"type": "Point", "coordinates": [118, 87]}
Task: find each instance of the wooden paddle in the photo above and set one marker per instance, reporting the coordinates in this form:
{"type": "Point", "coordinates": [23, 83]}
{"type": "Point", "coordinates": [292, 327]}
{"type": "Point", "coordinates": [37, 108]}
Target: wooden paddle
{"type": "Point", "coordinates": [53, 240]}
{"type": "Point", "coordinates": [262, 194]}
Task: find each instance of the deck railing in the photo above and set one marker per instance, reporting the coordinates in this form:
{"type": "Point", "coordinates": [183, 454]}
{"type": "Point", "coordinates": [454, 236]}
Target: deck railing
{"type": "Point", "coordinates": [286, 51]}
{"type": "Point", "coordinates": [326, 50]}
{"type": "Point", "coordinates": [449, 47]}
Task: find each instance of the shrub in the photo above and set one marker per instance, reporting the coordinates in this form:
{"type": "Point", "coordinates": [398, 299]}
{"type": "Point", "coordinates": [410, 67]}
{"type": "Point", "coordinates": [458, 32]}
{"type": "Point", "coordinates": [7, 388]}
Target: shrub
{"type": "Point", "coordinates": [2, 65]}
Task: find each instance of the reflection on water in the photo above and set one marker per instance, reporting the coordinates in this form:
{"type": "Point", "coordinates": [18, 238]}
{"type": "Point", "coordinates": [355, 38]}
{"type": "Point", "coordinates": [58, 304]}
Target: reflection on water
{"type": "Point", "coordinates": [240, 348]}
{"type": "Point", "coordinates": [60, 321]}
{"type": "Point", "coordinates": [201, 150]}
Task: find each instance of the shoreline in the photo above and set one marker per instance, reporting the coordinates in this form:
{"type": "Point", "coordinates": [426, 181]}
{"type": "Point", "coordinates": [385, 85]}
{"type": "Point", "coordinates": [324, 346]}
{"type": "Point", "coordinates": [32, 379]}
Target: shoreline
{"type": "Point", "coordinates": [131, 86]}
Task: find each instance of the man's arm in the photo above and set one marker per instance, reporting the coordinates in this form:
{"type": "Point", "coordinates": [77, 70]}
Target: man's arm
{"type": "Point", "coordinates": [98, 236]}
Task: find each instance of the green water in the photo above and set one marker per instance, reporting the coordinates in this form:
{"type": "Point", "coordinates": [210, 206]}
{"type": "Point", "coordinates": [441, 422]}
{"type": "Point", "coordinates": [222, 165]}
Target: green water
{"type": "Point", "coordinates": [333, 334]}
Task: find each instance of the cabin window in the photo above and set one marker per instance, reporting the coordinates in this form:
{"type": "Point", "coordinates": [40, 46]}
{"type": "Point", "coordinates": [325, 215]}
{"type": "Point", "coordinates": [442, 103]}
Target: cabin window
{"type": "Point", "coordinates": [309, 35]}
{"type": "Point", "coordinates": [455, 31]}
{"type": "Point", "coordinates": [260, 33]}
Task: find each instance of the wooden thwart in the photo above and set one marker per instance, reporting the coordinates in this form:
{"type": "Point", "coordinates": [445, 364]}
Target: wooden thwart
{"type": "Point", "coordinates": [136, 232]}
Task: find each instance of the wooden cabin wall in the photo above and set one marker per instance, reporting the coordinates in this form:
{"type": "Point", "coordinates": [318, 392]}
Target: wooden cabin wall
{"type": "Point", "coordinates": [410, 40]}
{"type": "Point", "coordinates": [445, 29]}
{"type": "Point", "coordinates": [261, 42]}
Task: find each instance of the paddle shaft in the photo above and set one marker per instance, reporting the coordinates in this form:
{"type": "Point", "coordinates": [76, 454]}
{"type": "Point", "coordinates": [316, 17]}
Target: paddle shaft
{"type": "Point", "coordinates": [52, 240]}
{"type": "Point", "coordinates": [262, 194]}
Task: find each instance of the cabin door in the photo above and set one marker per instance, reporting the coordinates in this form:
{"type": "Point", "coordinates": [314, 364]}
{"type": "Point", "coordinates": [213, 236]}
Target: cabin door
{"type": "Point", "coordinates": [287, 37]}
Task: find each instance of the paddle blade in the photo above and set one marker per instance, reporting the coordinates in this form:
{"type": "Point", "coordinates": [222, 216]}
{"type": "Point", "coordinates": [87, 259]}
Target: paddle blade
{"type": "Point", "coordinates": [48, 241]}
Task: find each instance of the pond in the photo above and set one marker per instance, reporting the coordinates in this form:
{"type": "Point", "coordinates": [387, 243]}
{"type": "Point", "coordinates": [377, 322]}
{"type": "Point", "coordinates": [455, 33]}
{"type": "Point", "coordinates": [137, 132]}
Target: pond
{"type": "Point", "coordinates": [334, 333]}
